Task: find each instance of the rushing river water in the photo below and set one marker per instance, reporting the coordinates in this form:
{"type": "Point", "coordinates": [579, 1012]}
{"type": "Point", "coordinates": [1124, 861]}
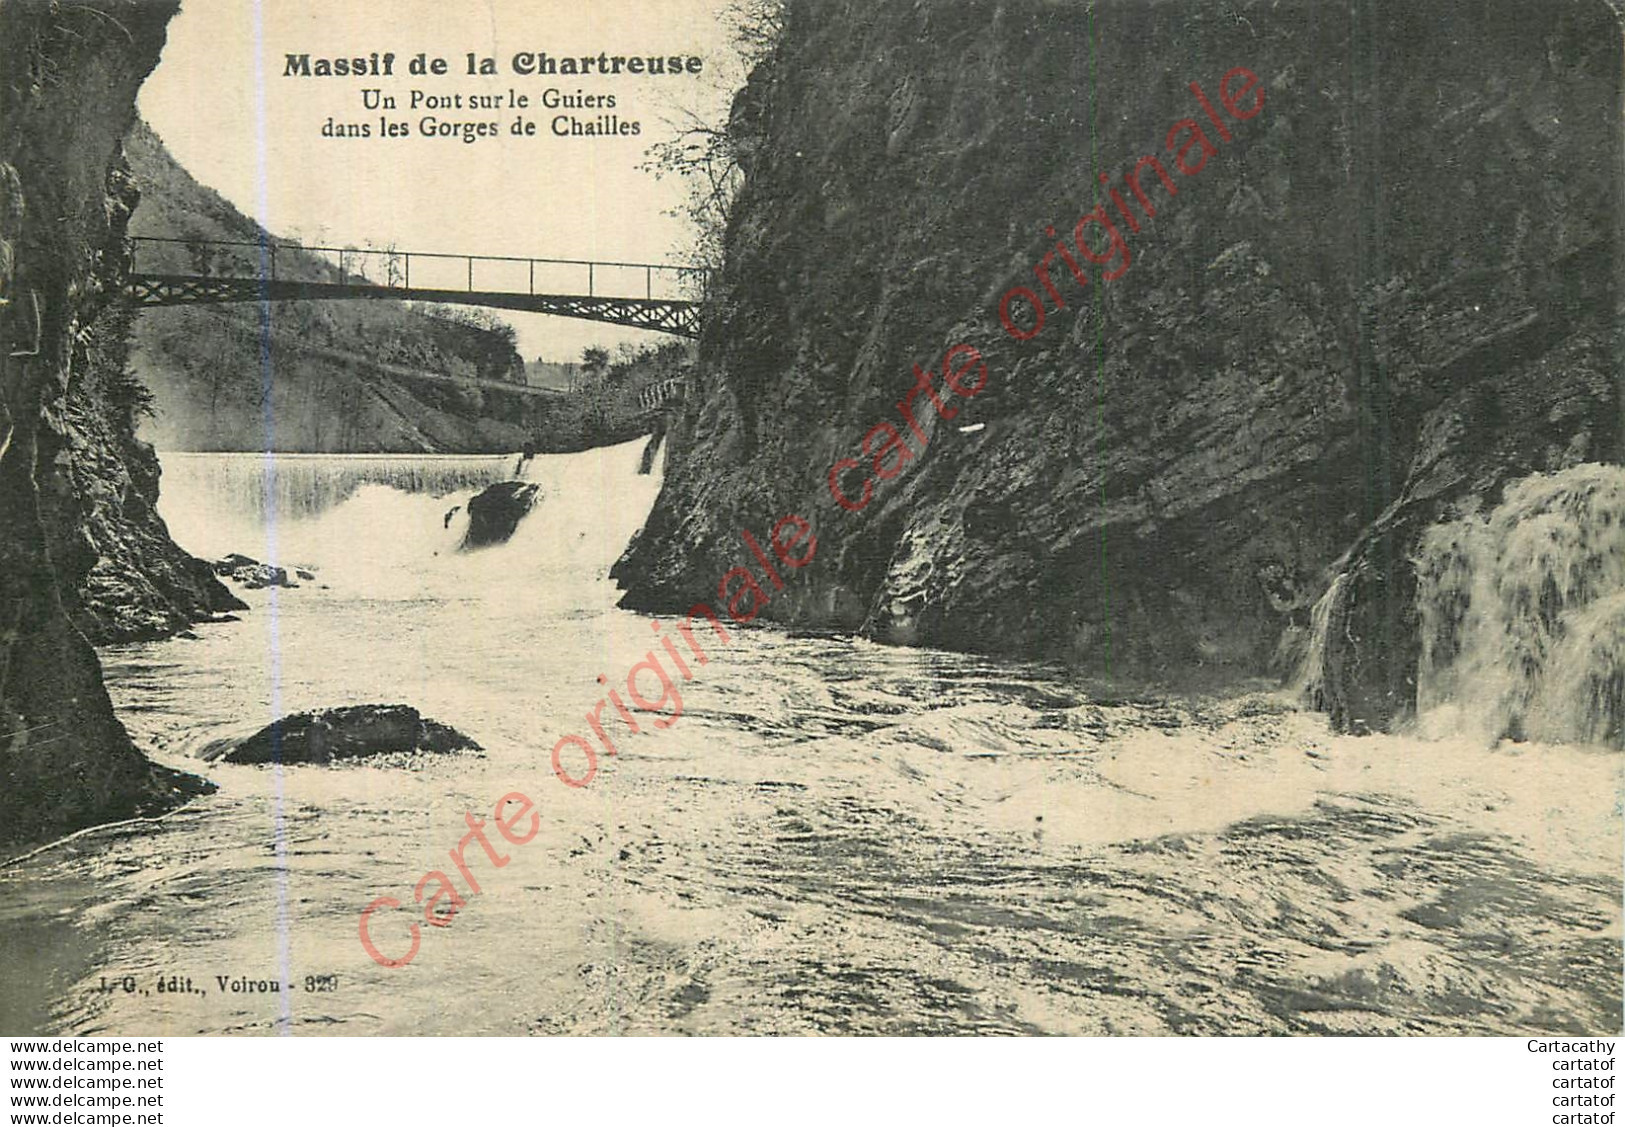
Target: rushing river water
{"type": "Point", "coordinates": [835, 837]}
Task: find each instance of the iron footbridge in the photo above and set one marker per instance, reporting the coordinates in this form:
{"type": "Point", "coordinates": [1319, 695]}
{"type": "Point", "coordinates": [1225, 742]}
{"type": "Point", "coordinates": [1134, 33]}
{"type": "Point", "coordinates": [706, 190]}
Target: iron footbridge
{"type": "Point", "coordinates": [168, 271]}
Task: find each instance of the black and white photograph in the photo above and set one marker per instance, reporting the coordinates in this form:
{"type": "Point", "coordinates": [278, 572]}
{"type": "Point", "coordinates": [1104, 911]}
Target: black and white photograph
{"type": "Point", "coordinates": [813, 518]}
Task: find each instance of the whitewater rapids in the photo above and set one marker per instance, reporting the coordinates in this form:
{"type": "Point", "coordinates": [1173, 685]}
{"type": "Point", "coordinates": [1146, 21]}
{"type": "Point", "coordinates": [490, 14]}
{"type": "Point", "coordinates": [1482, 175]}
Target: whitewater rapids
{"type": "Point", "coordinates": [837, 837]}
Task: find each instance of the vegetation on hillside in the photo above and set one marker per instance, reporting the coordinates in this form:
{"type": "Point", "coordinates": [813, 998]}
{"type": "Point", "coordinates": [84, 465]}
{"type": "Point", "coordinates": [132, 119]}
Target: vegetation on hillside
{"type": "Point", "coordinates": [215, 389]}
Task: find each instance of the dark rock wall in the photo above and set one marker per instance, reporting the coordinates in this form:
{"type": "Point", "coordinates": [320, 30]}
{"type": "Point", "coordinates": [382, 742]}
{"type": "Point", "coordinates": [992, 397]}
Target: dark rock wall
{"type": "Point", "coordinates": [68, 79]}
{"type": "Point", "coordinates": [139, 584]}
{"type": "Point", "coordinates": [1392, 292]}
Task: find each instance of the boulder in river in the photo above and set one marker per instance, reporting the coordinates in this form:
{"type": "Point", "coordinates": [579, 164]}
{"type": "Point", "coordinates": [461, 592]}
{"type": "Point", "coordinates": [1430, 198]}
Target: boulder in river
{"type": "Point", "coordinates": [262, 575]}
{"type": "Point", "coordinates": [495, 513]}
{"type": "Point", "coordinates": [226, 565]}
{"type": "Point", "coordinates": [254, 575]}
{"type": "Point", "coordinates": [349, 732]}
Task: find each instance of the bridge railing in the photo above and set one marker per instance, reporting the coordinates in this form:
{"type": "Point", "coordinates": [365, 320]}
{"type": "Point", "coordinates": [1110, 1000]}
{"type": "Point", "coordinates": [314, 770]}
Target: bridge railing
{"type": "Point", "coordinates": [394, 269]}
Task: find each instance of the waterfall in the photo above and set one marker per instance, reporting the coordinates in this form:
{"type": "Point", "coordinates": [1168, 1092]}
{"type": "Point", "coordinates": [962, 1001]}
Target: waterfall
{"type": "Point", "coordinates": [1523, 614]}
{"type": "Point", "coordinates": [305, 485]}
{"type": "Point", "coordinates": [388, 526]}
{"type": "Point", "coordinates": [1310, 684]}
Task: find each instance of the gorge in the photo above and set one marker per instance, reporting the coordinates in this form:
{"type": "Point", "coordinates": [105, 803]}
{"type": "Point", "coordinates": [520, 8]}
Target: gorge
{"type": "Point", "coordinates": [1033, 743]}
{"type": "Point", "coordinates": [1397, 295]}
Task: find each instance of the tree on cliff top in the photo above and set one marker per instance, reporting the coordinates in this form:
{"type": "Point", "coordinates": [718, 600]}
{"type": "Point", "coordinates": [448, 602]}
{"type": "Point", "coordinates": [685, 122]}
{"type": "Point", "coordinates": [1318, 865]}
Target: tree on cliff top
{"type": "Point", "coordinates": [700, 150]}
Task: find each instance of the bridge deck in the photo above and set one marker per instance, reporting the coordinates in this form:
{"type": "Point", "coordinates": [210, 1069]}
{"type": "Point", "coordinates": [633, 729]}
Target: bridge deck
{"type": "Point", "coordinates": [256, 279]}
{"type": "Point", "coordinates": [679, 318]}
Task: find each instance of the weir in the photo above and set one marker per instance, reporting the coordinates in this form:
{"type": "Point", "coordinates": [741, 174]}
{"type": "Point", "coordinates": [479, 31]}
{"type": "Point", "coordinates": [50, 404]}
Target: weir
{"type": "Point", "coordinates": [294, 486]}
{"type": "Point", "coordinates": [390, 525]}
{"type": "Point", "coordinates": [228, 502]}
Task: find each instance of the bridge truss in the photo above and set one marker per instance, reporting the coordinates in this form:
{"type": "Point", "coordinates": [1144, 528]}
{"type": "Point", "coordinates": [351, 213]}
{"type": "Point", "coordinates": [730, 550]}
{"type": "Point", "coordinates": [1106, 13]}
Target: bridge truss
{"type": "Point", "coordinates": [676, 315]}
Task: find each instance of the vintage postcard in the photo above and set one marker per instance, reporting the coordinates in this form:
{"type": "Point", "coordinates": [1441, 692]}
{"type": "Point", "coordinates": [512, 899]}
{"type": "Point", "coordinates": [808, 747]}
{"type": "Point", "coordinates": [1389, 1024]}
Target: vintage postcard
{"type": "Point", "coordinates": [735, 517]}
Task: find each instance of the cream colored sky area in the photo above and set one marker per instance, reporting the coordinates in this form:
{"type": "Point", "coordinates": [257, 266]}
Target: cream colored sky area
{"type": "Point", "coordinates": [222, 103]}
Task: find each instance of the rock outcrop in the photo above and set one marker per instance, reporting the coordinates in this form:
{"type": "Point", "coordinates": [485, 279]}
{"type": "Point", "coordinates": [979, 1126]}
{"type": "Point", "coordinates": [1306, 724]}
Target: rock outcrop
{"type": "Point", "coordinates": [495, 512]}
{"type": "Point", "coordinates": [81, 552]}
{"type": "Point", "coordinates": [1393, 291]}
{"type": "Point", "coordinates": [352, 732]}
{"type": "Point", "coordinates": [139, 585]}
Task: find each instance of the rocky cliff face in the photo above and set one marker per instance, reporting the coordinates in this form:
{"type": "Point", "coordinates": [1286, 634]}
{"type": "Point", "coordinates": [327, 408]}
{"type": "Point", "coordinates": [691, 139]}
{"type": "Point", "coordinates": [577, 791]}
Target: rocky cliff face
{"type": "Point", "coordinates": [75, 490]}
{"type": "Point", "coordinates": [137, 584]}
{"type": "Point", "coordinates": [1390, 292]}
